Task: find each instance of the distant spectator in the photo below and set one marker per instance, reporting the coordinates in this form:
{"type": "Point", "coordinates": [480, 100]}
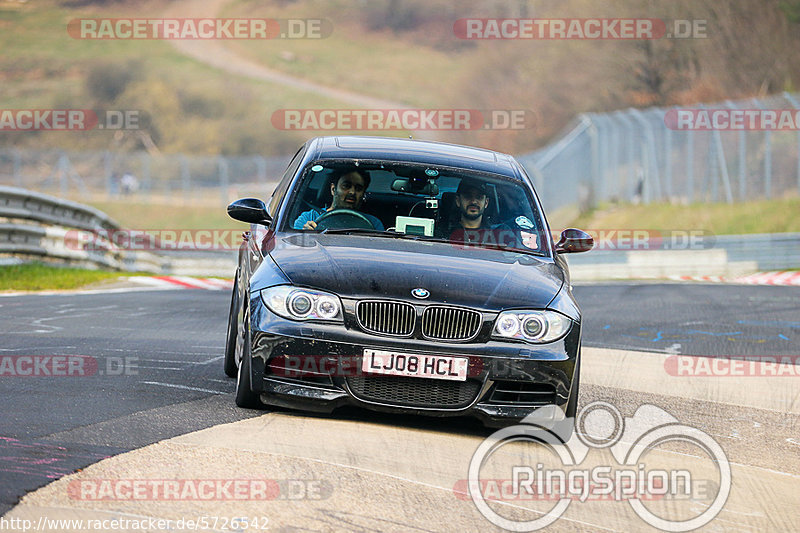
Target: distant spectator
{"type": "Point", "coordinates": [129, 183]}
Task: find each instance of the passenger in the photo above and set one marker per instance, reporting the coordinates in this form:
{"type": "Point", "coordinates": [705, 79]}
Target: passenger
{"type": "Point", "coordinates": [471, 201]}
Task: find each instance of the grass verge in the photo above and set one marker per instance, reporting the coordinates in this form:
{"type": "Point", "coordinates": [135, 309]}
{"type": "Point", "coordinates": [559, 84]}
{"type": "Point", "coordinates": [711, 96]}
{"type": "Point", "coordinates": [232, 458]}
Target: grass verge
{"type": "Point", "coordinates": [762, 216]}
{"type": "Point", "coordinates": [40, 276]}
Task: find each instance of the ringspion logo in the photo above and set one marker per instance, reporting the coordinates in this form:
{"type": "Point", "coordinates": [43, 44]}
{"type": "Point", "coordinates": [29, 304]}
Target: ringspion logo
{"type": "Point", "coordinates": [540, 467]}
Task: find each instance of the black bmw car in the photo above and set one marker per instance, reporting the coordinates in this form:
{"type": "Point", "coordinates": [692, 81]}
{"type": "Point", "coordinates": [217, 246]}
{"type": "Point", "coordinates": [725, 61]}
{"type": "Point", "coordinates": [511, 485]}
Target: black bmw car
{"type": "Point", "coordinates": [405, 276]}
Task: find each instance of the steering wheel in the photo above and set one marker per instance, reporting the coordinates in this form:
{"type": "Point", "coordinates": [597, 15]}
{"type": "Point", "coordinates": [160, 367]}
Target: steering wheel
{"type": "Point", "coordinates": [343, 218]}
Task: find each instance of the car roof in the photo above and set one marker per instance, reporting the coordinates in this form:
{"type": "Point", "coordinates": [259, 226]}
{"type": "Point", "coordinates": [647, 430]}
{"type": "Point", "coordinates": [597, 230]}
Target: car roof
{"type": "Point", "coordinates": [416, 151]}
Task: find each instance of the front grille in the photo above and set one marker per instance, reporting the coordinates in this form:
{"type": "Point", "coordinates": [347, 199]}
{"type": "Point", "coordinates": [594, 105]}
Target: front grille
{"type": "Point", "coordinates": [450, 323]}
{"type": "Point", "coordinates": [523, 393]}
{"type": "Point", "coordinates": [415, 392]}
{"type": "Point", "coordinates": [392, 318]}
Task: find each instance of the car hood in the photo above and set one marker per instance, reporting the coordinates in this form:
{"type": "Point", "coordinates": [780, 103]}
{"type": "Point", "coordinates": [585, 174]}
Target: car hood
{"type": "Point", "coordinates": [377, 267]}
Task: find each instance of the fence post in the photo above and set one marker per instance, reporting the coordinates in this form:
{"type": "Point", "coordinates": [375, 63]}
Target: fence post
{"type": "Point", "coordinates": [667, 158]}
{"type": "Point", "coordinates": [594, 147]}
{"type": "Point", "coordinates": [742, 158]}
{"type": "Point", "coordinates": [615, 159]}
{"type": "Point", "coordinates": [631, 174]}
{"type": "Point", "coordinates": [690, 165]}
{"type": "Point", "coordinates": [792, 100]}
{"type": "Point", "coordinates": [767, 158]}
{"type": "Point", "coordinates": [723, 167]}
{"type": "Point", "coordinates": [649, 162]}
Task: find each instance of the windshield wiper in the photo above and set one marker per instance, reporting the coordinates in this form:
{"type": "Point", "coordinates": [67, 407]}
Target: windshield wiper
{"type": "Point", "coordinates": [423, 238]}
{"type": "Point", "coordinates": [361, 231]}
{"type": "Point", "coordinates": [378, 233]}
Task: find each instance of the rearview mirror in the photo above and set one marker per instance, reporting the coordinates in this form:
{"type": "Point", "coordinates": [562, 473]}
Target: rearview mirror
{"type": "Point", "coordinates": [423, 187]}
{"type": "Point", "coordinates": [574, 241]}
{"type": "Point", "coordinates": [250, 210]}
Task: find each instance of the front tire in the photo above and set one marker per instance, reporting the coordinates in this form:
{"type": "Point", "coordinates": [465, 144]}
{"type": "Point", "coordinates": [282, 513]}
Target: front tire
{"type": "Point", "coordinates": [230, 365]}
{"type": "Point", "coordinates": [566, 428]}
{"type": "Point", "coordinates": [245, 397]}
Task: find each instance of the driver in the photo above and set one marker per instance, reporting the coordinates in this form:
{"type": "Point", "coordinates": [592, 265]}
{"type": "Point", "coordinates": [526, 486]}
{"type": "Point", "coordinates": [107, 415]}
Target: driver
{"type": "Point", "coordinates": [347, 188]}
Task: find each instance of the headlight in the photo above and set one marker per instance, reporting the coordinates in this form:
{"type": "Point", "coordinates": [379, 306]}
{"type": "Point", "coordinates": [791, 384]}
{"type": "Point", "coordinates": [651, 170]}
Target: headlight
{"type": "Point", "coordinates": [302, 304]}
{"type": "Point", "coordinates": [532, 326]}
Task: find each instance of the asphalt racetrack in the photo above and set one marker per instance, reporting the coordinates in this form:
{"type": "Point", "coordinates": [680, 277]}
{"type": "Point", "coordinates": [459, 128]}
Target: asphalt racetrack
{"type": "Point", "coordinates": [155, 361]}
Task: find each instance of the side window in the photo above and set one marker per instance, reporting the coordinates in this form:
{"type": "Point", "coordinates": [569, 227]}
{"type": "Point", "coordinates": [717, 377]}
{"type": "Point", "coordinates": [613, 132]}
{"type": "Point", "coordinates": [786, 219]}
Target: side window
{"type": "Point", "coordinates": [280, 190]}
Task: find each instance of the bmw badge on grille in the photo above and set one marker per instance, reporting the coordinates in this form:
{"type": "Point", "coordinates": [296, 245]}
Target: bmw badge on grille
{"type": "Point", "coordinates": [420, 293]}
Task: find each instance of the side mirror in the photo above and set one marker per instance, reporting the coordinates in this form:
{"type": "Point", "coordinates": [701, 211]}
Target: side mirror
{"type": "Point", "coordinates": [574, 241]}
{"type": "Point", "coordinates": [250, 210]}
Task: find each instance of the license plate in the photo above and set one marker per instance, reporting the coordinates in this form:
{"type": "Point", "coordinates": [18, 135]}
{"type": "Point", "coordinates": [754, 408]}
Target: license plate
{"type": "Point", "coordinates": [414, 365]}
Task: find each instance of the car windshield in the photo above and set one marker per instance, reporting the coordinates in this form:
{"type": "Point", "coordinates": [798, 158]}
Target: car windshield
{"type": "Point", "coordinates": [402, 200]}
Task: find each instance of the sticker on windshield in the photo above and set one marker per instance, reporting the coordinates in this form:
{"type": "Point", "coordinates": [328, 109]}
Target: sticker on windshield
{"type": "Point", "coordinates": [524, 222]}
{"type": "Point", "coordinates": [317, 168]}
{"type": "Point", "coordinates": [529, 240]}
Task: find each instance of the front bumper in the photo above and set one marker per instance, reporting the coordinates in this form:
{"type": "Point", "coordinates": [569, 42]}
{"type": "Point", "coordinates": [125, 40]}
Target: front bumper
{"type": "Point", "coordinates": [317, 367]}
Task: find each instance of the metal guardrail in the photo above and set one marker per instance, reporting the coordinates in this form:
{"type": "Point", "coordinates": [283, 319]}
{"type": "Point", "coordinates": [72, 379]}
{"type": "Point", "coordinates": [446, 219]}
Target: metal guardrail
{"type": "Point", "coordinates": [54, 237]}
{"type": "Point", "coordinates": [730, 255]}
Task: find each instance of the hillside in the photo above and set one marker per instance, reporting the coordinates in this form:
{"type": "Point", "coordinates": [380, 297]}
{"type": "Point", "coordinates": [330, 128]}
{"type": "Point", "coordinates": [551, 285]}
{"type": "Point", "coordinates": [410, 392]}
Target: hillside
{"type": "Point", "coordinates": [398, 51]}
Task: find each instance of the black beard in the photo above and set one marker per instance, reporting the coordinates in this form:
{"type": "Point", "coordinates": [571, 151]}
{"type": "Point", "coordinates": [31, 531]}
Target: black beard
{"type": "Point", "coordinates": [470, 216]}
